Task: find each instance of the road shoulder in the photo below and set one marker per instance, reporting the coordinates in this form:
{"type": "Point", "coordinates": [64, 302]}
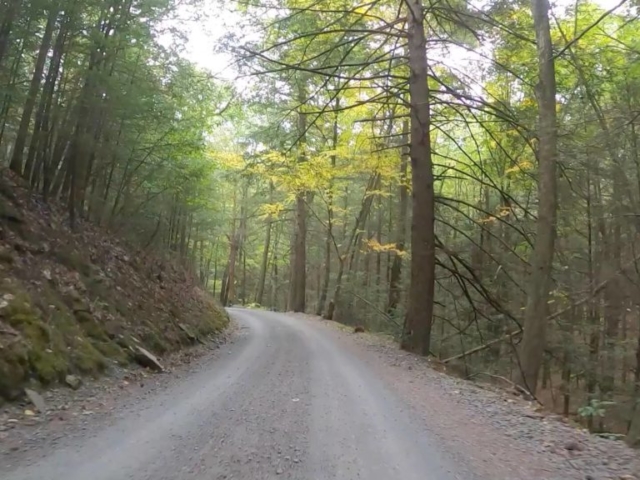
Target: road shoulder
{"type": "Point", "coordinates": [72, 415]}
{"type": "Point", "coordinates": [502, 435]}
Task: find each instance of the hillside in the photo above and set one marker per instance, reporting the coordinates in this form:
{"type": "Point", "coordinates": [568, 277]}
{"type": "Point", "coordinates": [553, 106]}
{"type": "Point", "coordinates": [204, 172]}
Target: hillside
{"type": "Point", "coordinates": [80, 302]}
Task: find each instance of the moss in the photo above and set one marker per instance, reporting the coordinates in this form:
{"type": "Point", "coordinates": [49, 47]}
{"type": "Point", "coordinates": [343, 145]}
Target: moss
{"type": "Point", "coordinates": [112, 351]}
{"type": "Point", "coordinates": [6, 256]}
{"type": "Point", "coordinates": [86, 359]}
{"type": "Point", "coordinates": [90, 326]}
{"type": "Point", "coordinates": [98, 287]}
{"type": "Point", "coordinates": [155, 342]}
{"type": "Point", "coordinates": [73, 260]}
{"type": "Point", "coordinates": [14, 369]}
{"type": "Point", "coordinates": [62, 333]}
{"type": "Point", "coordinates": [44, 349]}
{"type": "Point", "coordinates": [59, 346]}
{"type": "Point", "coordinates": [49, 298]}
{"type": "Point", "coordinates": [121, 307]}
{"type": "Point", "coordinates": [125, 342]}
{"type": "Point", "coordinates": [212, 321]}
{"type": "Point", "coordinates": [49, 366]}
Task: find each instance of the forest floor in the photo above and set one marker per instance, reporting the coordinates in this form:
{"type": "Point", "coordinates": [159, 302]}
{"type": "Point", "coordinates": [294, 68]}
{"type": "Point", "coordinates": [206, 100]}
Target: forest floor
{"type": "Point", "coordinates": [77, 304]}
{"type": "Point", "coordinates": [290, 396]}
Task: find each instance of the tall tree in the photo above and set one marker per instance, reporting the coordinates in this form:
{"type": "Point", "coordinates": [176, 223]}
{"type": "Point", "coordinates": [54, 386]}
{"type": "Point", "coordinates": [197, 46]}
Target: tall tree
{"type": "Point", "coordinates": [417, 328]}
{"type": "Point", "coordinates": [536, 312]}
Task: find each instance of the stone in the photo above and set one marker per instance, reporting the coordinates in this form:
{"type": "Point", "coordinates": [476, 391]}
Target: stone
{"type": "Point", "coordinates": [279, 471]}
{"type": "Point", "coordinates": [73, 381]}
{"type": "Point", "coordinates": [193, 338]}
{"type": "Point", "coordinates": [572, 445]}
{"type": "Point", "coordinates": [36, 400]}
{"type": "Point", "coordinates": [148, 359]}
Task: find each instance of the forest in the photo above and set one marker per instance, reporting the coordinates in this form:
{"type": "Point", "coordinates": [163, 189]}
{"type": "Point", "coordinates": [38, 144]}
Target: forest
{"type": "Point", "coordinates": [463, 176]}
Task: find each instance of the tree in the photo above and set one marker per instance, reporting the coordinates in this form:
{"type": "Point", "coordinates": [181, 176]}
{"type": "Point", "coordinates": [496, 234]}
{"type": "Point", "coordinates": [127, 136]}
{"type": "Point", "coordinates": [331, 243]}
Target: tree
{"type": "Point", "coordinates": [536, 312]}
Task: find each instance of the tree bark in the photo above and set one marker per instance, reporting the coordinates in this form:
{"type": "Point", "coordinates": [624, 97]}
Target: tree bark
{"type": "Point", "coordinates": [536, 310]}
{"type": "Point", "coordinates": [403, 193]}
{"type": "Point", "coordinates": [265, 254]}
{"type": "Point", "coordinates": [298, 278]}
{"type": "Point", "coordinates": [348, 254]}
{"type": "Point", "coordinates": [326, 275]}
{"type": "Point", "coordinates": [32, 95]}
{"type": "Point", "coordinates": [417, 327]}
{"type": "Point", "coordinates": [8, 14]}
{"type": "Point", "coordinates": [37, 155]}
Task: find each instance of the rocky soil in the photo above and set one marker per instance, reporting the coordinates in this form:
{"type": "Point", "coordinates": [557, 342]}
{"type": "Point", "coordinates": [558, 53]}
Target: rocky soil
{"type": "Point", "coordinates": [26, 433]}
{"type": "Point", "coordinates": [79, 303]}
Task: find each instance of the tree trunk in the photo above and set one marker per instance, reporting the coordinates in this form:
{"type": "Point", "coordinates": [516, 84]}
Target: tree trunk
{"type": "Point", "coordinates": [32, 95]}
{"type": "Point", "coordinates": [265, 254]}
{"type": "Point", "coordinates": [38, 150]}
{"type": "Point", "coordinates": [536, 310]}
{"type": "Point", "coordinates": [15, 69]}
{"type": "Point", "coordinates": [417, 328]}
{"type": "Point", "coordinates": [9, 14]}
{"type": "Point", "coordinates": [633, 430]}
{"type": "Point", "coordinates": [403, 193]}
{"type": "Point", "coordinates": [297, 285]}
{"type": "Point", "coordinates": [352, 243]}
{"type": "Point", "coordinates": [326, 276]}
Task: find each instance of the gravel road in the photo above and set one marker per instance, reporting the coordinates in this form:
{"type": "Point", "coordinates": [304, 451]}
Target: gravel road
{"type": "Point", "coordinates": [292, 397]}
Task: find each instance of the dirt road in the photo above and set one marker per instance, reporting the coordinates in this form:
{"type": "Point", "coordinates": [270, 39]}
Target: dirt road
{"type": "Point", "coordinates": [297, 398]}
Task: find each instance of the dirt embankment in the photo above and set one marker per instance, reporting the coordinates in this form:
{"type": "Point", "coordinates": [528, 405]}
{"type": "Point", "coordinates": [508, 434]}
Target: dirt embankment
{"type": "Point", "coordinates": [77, 303]}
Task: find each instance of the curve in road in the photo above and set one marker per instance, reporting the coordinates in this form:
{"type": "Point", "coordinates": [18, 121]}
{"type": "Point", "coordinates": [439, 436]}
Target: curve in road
{"type": "Point", "coordinates": [285, 402]}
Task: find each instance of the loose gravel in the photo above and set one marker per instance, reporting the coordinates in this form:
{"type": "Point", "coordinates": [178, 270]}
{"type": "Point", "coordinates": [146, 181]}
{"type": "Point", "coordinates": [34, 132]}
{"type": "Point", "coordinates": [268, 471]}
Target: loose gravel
{"type": "Point", "coordinates": [502, 434]}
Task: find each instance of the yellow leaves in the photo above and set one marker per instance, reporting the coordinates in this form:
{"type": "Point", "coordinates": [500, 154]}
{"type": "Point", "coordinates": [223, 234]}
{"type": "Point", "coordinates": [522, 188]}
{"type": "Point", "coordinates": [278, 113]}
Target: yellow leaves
{"type": "Point", "coordinates": [521, 166]}
{"type": "Point", "coordinates": [503, 211]}
{"type": "Point", "coordinates": [272, 210]}
{"type": "Point", "coordinates": [372, 245]}
{"type": "Point", "coordinates": [528, 102]}
{"type": "Point", "coordinates": [361, 9]}
{"type": "Point", "coordinates": [489, 219]}
{"type": "Point", "coordinates": [229, 160]}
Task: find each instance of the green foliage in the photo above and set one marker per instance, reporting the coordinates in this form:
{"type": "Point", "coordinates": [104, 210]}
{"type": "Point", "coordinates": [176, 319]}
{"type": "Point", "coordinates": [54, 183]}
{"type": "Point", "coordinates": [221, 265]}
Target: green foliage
{"type": "Point", "coordinates": [595, 408]}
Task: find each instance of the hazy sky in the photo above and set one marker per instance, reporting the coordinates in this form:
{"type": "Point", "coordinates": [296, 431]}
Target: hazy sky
{"type": "Point", "coordinates": [205, 33]}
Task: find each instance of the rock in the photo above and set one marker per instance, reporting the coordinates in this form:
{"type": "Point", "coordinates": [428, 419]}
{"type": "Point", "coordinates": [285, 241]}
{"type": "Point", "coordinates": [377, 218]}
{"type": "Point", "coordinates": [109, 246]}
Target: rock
{"type": "Point", "coordinates": [30, 413]}
{"type": "Point", "coordinates": [190, 335]}
{"type": "Point", "coordinates": [36, 400]}
{"type": "Point", "coordinates": [73, 381]}
{"type": "Point", "coordinates": [572, 445]}
{"type": "Point", "coordinates": [279, 471]}
{"type": "Point", "coordinates": [148, 359]}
